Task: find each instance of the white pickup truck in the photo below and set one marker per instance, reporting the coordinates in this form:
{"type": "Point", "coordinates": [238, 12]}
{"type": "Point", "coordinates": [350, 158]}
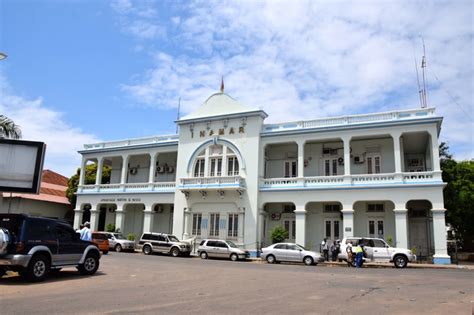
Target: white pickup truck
{"type": "Point", "coordinates": [377, 250]}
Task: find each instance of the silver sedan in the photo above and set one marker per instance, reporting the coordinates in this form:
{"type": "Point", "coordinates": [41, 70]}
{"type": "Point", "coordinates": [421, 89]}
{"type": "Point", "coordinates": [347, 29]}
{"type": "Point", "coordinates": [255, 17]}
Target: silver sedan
{"type": "Point", "coordinates": [290, 252]}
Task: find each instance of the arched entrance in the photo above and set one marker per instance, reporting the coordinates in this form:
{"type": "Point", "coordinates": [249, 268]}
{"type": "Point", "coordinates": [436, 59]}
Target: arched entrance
{"type": "Point", "coordinates": [420, 228]}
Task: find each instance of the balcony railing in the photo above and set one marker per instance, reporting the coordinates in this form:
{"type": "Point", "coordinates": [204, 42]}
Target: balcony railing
{"type": "Point", "coordinates": [351, 120]}
{"type": "Point", "coordinates": [217, 182]}
{"type": "Point", "coordinates": [129, 187]}
{"type": "Point", "coordinates": [350, 180]}
{"type": "Point", "coordinates": [133, 142]}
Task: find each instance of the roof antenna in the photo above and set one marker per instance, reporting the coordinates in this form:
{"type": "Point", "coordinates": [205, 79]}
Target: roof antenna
{"type": "Point", "coordinates": [420, 92]}
{"type": "Point", "coordinates": [179, 106]}
{"type": "Point", "coordinates": [222, 84]}
{"type": "Point", "coordinates": [424, 104]}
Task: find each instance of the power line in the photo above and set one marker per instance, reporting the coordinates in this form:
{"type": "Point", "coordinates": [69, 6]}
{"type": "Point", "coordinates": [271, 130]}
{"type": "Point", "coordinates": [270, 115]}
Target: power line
{"type": "Point", "coordinates": [451, 96]}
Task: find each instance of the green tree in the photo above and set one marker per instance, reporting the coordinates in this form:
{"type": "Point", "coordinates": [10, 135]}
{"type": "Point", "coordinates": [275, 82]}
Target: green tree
{"type": "Point", "coordinates": [278, 234]}
{"type": "Point", "coordinates": [91, 171]}
{"type": "Point", "coordinates": [459, 196]}
{"type": "Point", "coordinates": [8, 129]}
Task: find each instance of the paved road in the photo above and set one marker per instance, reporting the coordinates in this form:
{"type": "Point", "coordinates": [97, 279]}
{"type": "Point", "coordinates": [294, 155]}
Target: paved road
{"type": "Point", "coordinates": [130, 283]}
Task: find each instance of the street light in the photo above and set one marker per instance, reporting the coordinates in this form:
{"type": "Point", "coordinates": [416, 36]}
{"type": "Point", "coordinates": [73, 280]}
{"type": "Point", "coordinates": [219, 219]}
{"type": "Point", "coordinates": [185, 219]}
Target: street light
{"type": "Point", "coordinates": [2, 55]}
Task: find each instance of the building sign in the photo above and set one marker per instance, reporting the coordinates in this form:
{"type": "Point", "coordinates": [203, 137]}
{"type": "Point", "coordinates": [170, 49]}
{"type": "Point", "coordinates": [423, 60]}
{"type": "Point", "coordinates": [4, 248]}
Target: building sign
{"type": "Point", "coordinates": [220, 131]}
{"type": "Point", "coordinates": [120, 200]}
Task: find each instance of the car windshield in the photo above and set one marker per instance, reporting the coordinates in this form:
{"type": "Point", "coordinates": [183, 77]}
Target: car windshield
{"type": "Point", "coordinates": [173, 238]}
{"type": "Point", "coordinates": [300, 247]}
{"type": "Point", "coordinates": [231, 244]}
{"type": "Point", "coordinates": [119, 236]}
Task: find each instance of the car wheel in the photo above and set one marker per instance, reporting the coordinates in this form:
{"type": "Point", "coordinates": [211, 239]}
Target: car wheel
{"type": "Point", "coordinates": [234, 257]}
{"type": "Point", "coordinates": [175, 252]}
{"type": "Point", "coordinates": [400, 261]}
{"type": "Point", "coordinates": [271, 259]}
{"type": "Point", "coordinates": [203, 255]}
{"type": "Point", "coordinates": [90, 265]}
{"type": "Point", "coordinates": [38, 268]}
{"type": "Point", "coordinates": [147, 250]}
{"type": "Point", "coordinates": [308, 261]}
{"type": "Point", "coordinates": [118, 248]}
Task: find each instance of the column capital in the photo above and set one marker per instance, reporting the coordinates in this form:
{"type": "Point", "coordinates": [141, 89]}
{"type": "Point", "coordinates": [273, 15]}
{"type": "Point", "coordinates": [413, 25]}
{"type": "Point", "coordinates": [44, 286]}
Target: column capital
{"type": "Point", "coordinates": [78, 210]}
{"type": "Point", "coordinates": [347, 211]}
{"type": "Point", "coordinates": [396, 134]}
{"type": "Point", "coordinates": [438, 210]}
{"type": "Point", "coordinates": [300, 211]}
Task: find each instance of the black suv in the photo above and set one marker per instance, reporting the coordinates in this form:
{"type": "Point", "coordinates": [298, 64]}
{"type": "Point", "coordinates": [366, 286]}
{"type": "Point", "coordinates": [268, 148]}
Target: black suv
{"type": "Point", "coordinates": [34, 246]}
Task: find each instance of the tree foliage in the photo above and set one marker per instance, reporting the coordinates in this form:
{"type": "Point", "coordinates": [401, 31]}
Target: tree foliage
{"type": "Point", "coordinates": [278, 234]}
{"type": "Point", "coordinates": [8, 129]}
{"type": "Point", "coordinates": [459, 196]}
{"type": "Point", "coordinates": [91, 171]}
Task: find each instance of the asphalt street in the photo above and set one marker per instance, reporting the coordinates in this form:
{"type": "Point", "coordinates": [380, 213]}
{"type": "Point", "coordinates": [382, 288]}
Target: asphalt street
{"type": "Point", "coordinates": [132, 283]}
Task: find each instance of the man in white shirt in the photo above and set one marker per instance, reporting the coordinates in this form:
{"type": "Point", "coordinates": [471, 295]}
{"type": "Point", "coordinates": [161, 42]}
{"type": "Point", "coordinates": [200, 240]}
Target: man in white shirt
{"type": "Point", "coordinates": [85, 233]}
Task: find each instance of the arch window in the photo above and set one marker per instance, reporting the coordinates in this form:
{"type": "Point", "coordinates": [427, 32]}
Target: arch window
{"type": "Point", "coordinates": [216, 160]}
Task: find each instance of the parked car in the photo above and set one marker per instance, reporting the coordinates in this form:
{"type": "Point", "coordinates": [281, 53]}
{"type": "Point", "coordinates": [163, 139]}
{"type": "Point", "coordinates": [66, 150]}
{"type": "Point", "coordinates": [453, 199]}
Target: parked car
{"type": "Point", "coordinates": [221, 249]}
{"type": "Point", "coordinates": [377, 250]}
{"type": "Point", "coordinates": [101, 240]}
{"type": "Point", "coordinates": [119, 243]}
{"type": "Point", "coordinates": [35, 246]}
{"type": "Point", "coordinates": [163, 243]}
{"type": "Point", "coordinates": [290, 252]}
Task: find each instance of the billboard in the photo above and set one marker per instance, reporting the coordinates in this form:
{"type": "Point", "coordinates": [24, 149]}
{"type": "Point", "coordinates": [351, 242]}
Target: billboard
{"type": "Point", "coordinates": [21, 165]}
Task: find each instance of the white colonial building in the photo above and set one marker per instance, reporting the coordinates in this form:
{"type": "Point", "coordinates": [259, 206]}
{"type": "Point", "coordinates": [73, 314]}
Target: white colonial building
{"type": "Point", "coordinates": [228, 175]}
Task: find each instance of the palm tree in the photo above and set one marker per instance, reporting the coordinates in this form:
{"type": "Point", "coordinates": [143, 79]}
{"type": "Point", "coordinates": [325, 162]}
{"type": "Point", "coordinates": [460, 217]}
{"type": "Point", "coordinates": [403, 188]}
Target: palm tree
{"type": "Point", "coordinates": [8, 129]}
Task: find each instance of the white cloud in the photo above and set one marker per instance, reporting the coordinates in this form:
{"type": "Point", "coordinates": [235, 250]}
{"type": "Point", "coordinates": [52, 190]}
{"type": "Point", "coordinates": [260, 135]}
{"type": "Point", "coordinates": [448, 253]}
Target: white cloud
{"type": "Point", "coordinates": [300, 59]}
{"type": "Point", "coordinates": [40, 123]}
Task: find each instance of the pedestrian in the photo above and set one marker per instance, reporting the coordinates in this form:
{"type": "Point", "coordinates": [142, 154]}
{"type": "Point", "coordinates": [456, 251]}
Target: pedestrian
{"type": "Point", "coordinates": [359, 255]}
{"type": "Point", "coordinates": [350, 254]}
{"type": "Point", "coordinates": [85, 232]}
{"type": "Point", "coordinates": [325, 247]}
{"type": "Point", "coordinates": [334, 250]}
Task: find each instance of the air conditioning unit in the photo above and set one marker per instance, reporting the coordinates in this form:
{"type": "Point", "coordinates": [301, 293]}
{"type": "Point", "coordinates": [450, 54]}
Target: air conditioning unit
{"type": "Point", "coordinates": [358, 159]}
{"type": "Point", "coordinates": [326, 151]}
{"type": "Point", "coordinates": [133, 171]}
{"type": "Point", "coordinates": [160, 169]}
{"type": "Point", "coordinates": [170, 169]}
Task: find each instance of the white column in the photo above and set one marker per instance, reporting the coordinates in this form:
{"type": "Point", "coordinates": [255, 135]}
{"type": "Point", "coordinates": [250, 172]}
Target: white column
{"type": "Point", "coordinates": [397, 152]}
{"type": "Point", "coordinates": [148, 217]}
{"type": "Point", "coordinates": [187, 214]}
{"type": "Point", "coordinates": [224, 161]}
{"type": "Point", "coordinates": [119, 218]}
{"type": "Point", "coordinates": [401, 230]}
{"type": "Point", "coordinates": [240, 232]}
{"type": "Point", "coordinates": [300, 224]}
{"type": "Point", "coordinates": [206, 163]}
{"type": "Point", "coordinates": [151, 175]}
{"type": "Point", "coordinates": [78, 218]}
{"type": "Point", "coordinates": [260, 231]}
{"type": "Point", "coordinates": [82, 174]}
{"type": "Point", "coordinates": [347, 160]}
{"type": "Point", "coordinates": [435, 151]}
{"type": "Point", "coordinates": [94, 218]}
{"type": "Point", "coordinates": [439, 231]}
{"type": "Point", "coordinates": [125, 160]}
{"type": "Point", "coordinates": [98, 176]}
{"type": "Point", "coordinates": [300, 158]}
{"type": "Point", "coordinates": [348, 222]}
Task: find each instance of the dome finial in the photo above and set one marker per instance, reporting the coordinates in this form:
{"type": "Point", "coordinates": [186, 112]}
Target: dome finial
{"type": "Point", "coordinates": [222, 84]}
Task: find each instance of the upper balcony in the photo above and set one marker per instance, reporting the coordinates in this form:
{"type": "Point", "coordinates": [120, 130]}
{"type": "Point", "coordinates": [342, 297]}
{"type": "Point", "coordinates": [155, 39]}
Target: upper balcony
{"type": "Point", "coordinates": [132, 143]}
{"type": "Point", "coordinates": [351, 120]}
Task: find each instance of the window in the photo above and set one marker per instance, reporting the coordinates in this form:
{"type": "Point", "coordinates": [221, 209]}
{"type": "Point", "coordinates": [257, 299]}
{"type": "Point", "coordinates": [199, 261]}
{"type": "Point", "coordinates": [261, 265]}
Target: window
{"type": "Point", "coordinates": [65, 234]}
{"type": "Point", "coordinates": [332, 208]}
{"type": "Point", "coordinates": [199, 168]}
{"type": "Point", "coordinates": [214, 225]}
{"type": "Point", "coordinates": [291, 168]}
{"type": "Point", "coordinates": [328, 229]}
{"type": "Point", "coordinates": [216, 167]}
{"type": "Point", "coordinates": [146, 236]}
{"type": "Point", "coordinates": [232, 166]}
{"type": "Point", "coordinates": [221, 245]}
{"type": "Point", "coordinates": [291, 247]}
{"type": "Point", "coordinates": [330, 167]}
{"type": "Point", "coordinates": [233, 227]}
{"type": "Point", "coordinates": [375, 207]}
{"type": "Point", "coordinates": [378, 243]}
{"type": "Point", "coordinates": [336, 229]}
{"type": "Point", "coordinates": [374, 164]}
{"type": "Point", "coordinates": [197, 219]}
{"type": "Point", "coordinates": [293, 229]}
{"type": "Point", "coordinates": [40, 230]}
{"type": "Point", "coordinates": [280, 246]}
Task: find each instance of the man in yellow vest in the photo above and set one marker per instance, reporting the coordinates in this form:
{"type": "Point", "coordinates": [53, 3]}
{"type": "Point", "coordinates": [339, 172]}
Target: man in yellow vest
{"type": "Point", "coordinates": [359, 255]}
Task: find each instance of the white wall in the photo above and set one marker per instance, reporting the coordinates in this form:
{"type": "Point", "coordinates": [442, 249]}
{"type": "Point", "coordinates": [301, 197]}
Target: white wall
{"type": "Point", "coordinates": [133, 220]}
{"type": "Point", "coordinates": [161, 221]}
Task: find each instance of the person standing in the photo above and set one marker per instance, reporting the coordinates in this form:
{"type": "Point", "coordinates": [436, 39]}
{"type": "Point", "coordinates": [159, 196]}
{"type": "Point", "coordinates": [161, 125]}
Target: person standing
{"type": "Point", "coordinates": [359, 255]}
{"type": "Point", "coordinates": [325, 247]}
{"type": "Point", "coordinates": [85, 233]}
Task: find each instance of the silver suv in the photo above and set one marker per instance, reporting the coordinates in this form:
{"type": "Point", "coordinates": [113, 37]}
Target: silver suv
{"type": "Point", "coordinates": [377, 250]}
{"type": "Point", "coordinates": [221, 249]}
{"type": "Point", "coordinates": [163, 243]}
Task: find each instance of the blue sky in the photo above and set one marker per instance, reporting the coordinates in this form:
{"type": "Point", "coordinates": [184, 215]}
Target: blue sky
{"type": "Point", "coordinates": [88, 71]}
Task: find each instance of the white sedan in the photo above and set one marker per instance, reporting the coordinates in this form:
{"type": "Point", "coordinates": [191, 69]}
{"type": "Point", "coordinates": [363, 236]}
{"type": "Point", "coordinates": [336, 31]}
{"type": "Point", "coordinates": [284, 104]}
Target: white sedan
{"type": "Point", "coordinates": [290, 252]}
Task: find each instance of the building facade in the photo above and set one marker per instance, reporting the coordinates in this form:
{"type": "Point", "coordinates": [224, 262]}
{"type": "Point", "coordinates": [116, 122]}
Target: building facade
{"type": "Point", "coordinates": [228, 175]}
